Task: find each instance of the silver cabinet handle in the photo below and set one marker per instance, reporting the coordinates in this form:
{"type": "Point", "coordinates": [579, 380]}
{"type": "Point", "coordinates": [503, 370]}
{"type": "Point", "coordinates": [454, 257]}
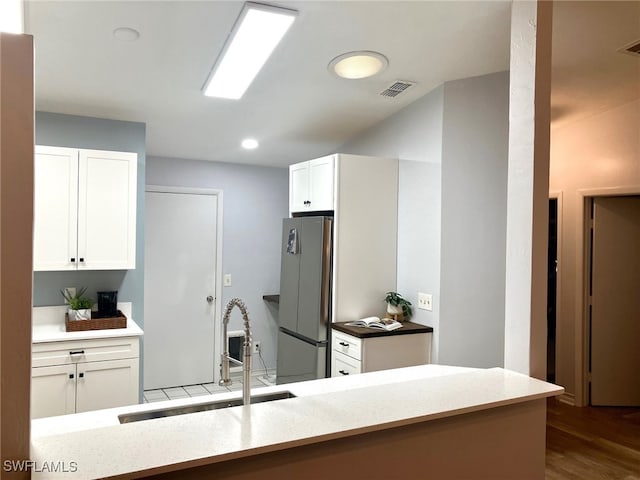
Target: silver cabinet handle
{"type": "Point", "coordinates": [210, 299]}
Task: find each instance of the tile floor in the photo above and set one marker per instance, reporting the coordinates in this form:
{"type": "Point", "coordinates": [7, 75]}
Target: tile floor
{"type": "Point", "coordinates": [187, 391]}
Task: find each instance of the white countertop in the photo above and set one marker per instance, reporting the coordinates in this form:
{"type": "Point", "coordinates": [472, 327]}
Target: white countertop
{"type": "Point", "coordinates": [322, 410]}
{"type": "Point", "coordinates": [48, 326]}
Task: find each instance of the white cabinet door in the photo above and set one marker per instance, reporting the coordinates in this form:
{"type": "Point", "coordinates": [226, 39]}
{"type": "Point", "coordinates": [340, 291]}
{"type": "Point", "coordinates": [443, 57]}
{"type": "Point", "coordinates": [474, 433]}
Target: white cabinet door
{"type": "Point", "coordinates": [53, 391]}
{"type": "Point", "coordinates": [106, 210]}
{"type": "Point", "coordinates": [112, 383]}
{"type": "Point", "coordinates": [55, 209]}
{"type": "Point", "coordinates": [321, 179]}
{"type": "Point", "coordinates": [299, 197]}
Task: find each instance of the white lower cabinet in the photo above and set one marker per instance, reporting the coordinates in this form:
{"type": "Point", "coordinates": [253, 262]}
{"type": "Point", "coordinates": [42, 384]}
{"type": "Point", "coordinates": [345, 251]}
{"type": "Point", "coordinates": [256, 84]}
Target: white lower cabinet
{"type": "Point", "coordinates": [351, 355]}
{"type": "Point", "coordinates": [79, 376]}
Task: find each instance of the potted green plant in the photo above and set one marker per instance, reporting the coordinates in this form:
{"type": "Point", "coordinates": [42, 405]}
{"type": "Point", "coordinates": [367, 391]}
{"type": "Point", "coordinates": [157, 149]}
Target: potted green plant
{"type": "Point", "coordinates": [397, 305]}
{"type": "Point", "coordinates": [79, 306]}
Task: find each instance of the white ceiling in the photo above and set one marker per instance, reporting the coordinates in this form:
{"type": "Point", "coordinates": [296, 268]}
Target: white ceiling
{"type": "Point", "coordinates": [589, 75]}
{"type": "Point", "coordinates": [295, 108]}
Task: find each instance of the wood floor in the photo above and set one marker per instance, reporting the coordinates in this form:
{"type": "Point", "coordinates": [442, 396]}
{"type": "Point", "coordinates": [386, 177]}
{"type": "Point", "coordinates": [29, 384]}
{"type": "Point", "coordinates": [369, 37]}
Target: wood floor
{"type": "Point", "coordinates": [592, 442]}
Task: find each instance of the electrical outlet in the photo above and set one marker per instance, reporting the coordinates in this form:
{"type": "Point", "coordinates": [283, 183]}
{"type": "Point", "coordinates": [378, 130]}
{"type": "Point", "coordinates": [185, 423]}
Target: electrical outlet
{"type": "Point", "coordinates": [425, 301]}
{"type": "Point", "coordinates": [71, 292]}
{"type": "Point", "coordinates": [227, 280]}
{"type": "Point", "coordinates": [256, 347]}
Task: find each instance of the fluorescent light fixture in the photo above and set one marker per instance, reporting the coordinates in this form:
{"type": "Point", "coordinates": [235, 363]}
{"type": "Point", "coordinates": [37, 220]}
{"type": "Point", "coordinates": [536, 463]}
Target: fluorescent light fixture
{"type": "Point", "coordinates": [250, 143]}
{"type": "Point", "coordinates": [356, 65]}
{"type": "Point", "coordinates": [255, 35]}
{"type": "Point", "coordinates": [11, 16]}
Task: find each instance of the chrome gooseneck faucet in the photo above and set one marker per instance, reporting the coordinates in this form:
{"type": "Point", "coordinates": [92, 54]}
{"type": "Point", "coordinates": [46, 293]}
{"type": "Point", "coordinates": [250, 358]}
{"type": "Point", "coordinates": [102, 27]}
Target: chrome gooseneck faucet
{"type": "Point", "coordinates": [225, 357]}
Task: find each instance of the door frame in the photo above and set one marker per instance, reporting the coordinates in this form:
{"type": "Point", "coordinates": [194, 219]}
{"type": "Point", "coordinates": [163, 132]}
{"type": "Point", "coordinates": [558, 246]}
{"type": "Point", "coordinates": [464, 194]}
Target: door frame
{"type": "Point", "coordinates": [582, 334]}
{"type": "Point", "coordinates": [557, 195]}
{"type": "Point", "coordinates": [217, 310]}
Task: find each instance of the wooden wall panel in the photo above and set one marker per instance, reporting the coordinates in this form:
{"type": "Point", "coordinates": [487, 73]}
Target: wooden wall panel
{"type": "Point", "coordinates": [16, 233]}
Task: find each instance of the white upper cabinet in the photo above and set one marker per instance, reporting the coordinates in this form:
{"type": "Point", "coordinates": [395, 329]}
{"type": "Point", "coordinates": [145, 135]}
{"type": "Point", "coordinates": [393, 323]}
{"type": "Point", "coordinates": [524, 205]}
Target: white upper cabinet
{"type": "Point", "coordinates": [85, 209]}
{"type": "Point", "coordinates": [311, 185]}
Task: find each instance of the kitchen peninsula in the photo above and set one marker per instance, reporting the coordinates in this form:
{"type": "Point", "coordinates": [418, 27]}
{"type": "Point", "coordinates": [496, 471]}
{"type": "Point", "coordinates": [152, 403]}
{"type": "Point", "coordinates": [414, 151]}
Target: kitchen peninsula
{"type": "Point", "coordinates": [445, 422]}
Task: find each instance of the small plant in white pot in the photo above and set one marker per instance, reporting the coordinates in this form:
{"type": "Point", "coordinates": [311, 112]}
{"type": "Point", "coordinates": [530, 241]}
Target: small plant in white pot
{"type": "Point", "coordinates": [396, 305]}
{"type": "Point", "coordinates": [79, 306]}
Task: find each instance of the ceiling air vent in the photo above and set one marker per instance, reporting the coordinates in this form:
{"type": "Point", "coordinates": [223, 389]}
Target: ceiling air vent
{"type": "Point", "coordinates": [396, 88]}
{"type": "Point", "coordinates": [632, 49]}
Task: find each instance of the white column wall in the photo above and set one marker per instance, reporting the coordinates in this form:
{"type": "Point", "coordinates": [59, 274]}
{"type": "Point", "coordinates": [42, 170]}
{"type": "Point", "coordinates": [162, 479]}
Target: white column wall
{"type": "Point", "coordinates": [528, 188]}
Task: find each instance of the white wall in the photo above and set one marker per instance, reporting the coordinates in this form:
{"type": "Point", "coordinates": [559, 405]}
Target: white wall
{"type": "Point", "coordinates": [255, 200]}
{"type": "Point", "coordinates": [596, 153]}
{"type": "Point", "coordinates": [474, 205]}
{"type": "Point", "coordinates": [528, 189]}
{"type": "Point", "coordinates": [452, 146]}
{"type": "Point", "coordinates": [414, 135]}
{"type": "Point", "coordinates": [61, 130]}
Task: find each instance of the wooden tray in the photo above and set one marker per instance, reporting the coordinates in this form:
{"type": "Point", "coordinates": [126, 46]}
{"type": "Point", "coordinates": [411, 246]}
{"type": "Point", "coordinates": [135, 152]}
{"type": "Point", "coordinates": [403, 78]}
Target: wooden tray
{"type": "Point", "coordinates": [119, 321]}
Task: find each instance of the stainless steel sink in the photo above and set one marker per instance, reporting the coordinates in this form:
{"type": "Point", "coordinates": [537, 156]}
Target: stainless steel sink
{"type": "Point", "coordinates": [200, 407]}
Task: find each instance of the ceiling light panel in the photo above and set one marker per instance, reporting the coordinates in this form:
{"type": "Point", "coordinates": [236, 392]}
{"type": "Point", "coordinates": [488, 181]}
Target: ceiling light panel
{"type": "Point", "coordinates": [11, 16]}
{"type": "Point", "coordinates": [255, 35]}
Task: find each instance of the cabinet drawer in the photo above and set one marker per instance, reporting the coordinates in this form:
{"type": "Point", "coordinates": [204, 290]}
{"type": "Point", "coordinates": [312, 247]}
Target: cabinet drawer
{"type": "Point", "coordinates": [344, 365]}
{"type": "Point", "coordinates": [347, 345]}
{"type": "Point", "coordinates": [61, 353]}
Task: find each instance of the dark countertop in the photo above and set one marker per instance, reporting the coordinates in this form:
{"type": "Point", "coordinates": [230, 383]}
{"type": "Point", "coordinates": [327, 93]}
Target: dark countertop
{"type": "Point", "coordinates": [408, 328]}
{"type": "Point", "coordinates": [271, 298]}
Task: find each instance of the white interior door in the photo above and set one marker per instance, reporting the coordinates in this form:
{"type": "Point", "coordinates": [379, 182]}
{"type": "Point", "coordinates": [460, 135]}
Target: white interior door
{"type": "Point", "coordinates": [615, 302]}
{"type": "Point", "coordinates": [180, 273]}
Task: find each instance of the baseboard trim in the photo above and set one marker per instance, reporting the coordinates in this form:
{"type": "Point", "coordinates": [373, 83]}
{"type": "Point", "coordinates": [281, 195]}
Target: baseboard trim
{"type": "Point", "coordinates": [567, 398]}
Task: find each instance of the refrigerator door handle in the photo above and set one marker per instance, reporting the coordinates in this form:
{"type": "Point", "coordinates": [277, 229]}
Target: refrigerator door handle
{"type": "Point", "coordinates": [310, 341]}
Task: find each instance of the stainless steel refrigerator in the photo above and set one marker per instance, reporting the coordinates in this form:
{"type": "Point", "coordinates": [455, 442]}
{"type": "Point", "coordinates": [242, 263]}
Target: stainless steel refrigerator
{"type": "Point", "coordinates": [305, 299]}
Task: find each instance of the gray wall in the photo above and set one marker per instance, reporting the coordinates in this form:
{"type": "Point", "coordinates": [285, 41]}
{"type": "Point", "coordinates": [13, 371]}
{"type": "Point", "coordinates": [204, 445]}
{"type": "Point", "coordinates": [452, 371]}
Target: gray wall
{"type": "Point", "coordinates": [452, 145]}
{"type": "Point", "coordinates": [474, 206]}
{"type": "Point", "coordinates": [414, 135]}
{"type": "Point", "coordinates": [60, 130]}
{"type": "Point", "coordinates": [255, 200]}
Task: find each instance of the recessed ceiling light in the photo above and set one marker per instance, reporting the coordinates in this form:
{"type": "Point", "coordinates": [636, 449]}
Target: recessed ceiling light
{"type": "Point", "coordinates": [250, 143]}
{"type": "Point", "coordinates": [361, 64]}
{"type": "Point", "coordinates": [11, 16]}
{"type": "Point", "coordinates": [126, 34]}
{"type": "Point", "coordinates": [255, 35]}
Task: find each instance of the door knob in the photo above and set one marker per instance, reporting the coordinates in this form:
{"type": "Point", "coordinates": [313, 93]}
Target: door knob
{"type": "Point", "coordinates": [210, 299]}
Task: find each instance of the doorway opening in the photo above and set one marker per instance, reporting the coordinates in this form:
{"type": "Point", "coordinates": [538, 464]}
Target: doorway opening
{"type": "Point", "coordinates": [612, 282]}
{"type": "Point", "coordinates": [552, 284]}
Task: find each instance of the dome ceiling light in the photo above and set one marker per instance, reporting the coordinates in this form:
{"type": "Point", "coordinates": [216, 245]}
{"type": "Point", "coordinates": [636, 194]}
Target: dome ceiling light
{"type": "Point", "coordinates": [357, 65]}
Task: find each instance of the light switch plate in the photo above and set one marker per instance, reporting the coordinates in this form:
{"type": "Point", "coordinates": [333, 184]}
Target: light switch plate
{"type": "Point", "coordinates": [425, 301]}
{"type": "Point", "coordinates": [227, 280]}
